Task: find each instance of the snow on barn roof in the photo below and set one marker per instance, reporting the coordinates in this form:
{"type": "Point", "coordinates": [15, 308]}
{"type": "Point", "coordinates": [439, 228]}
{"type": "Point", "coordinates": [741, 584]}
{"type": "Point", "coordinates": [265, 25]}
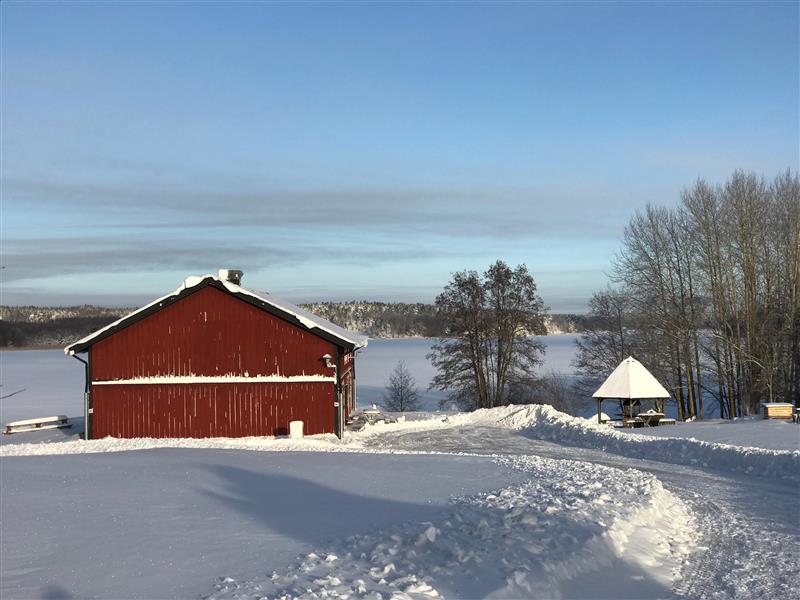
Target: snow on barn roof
{"type": "Point", "coordinates": [631, 380]}
{"type": "Point", "coordinates": [282, 308]}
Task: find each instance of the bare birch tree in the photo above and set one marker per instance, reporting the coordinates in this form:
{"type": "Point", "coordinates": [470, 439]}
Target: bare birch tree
{"type": "Point", "coordinates": [712, 290]}
{"type": "Point", "coordinates": [401, 390]}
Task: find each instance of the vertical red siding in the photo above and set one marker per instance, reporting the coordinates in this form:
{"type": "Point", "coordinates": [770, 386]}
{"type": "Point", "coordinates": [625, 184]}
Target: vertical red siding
{"type": "Point", "coordinates": [211, 410]}
{"type": "Point", "coordinates": [210, 333]}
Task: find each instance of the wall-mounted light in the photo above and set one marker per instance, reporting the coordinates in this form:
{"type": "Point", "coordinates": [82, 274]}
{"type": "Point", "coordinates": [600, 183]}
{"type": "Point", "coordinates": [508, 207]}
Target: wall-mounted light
{"type": "Point", "coordinates": [327, 358]}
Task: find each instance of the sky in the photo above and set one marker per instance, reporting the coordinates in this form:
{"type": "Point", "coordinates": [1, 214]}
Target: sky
{"type": "Point", "coordinates": [338, 151]}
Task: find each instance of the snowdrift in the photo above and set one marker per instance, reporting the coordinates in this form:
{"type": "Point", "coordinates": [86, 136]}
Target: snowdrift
{"type": "Point", "coordinates": [524, 541]}
{"type": "Point", "coordinates": [315, 443]}
{"type": "Point", "coordinates": [537, 421]}
{"type": "Point", "coordinates": [546, 423]}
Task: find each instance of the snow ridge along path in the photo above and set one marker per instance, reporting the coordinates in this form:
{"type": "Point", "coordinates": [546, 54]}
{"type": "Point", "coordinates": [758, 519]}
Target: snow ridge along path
{"type": "Point", "coordinates": [742, 501]}
{"type": "Point", "coordinates": [568, 519]}
{"type": "Point", "coordinates": [535, 421]}
{"type": "Point", "coordinates": [544, 422]}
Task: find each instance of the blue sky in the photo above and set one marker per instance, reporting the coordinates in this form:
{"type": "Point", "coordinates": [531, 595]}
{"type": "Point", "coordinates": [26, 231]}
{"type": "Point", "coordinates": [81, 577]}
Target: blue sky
{"type": "Point", "coordinates": [348, 151]}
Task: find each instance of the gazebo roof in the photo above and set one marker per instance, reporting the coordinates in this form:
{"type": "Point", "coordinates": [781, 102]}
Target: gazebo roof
{"type": "Point", "coordinates": [630, 380]}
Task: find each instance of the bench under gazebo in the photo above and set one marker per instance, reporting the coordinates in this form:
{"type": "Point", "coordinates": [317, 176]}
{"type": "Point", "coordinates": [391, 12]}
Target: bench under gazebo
{"type": "Point", "coordinates": [630, 383]}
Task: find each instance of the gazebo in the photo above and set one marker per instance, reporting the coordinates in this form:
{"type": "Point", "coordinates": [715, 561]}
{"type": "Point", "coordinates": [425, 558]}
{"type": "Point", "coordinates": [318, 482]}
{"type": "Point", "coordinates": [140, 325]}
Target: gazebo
{"type": "Point", "coordinates": [630, 383]}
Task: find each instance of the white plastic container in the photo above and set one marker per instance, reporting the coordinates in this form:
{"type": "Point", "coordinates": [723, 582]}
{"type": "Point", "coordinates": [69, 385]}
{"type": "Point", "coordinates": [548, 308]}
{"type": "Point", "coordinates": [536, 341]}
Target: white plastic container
{"type": "Point", "coordinates": [295, 429]}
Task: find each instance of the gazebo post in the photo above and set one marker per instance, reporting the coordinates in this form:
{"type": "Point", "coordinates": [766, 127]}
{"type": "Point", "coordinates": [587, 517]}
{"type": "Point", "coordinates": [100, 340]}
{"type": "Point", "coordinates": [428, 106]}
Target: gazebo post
{"type": "Point", "coordinates": [599, 409]}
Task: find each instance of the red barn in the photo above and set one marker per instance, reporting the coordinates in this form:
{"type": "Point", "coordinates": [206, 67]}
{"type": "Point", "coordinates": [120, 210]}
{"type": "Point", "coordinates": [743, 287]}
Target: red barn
{"type": "Point", "coordinates": [214, 359]}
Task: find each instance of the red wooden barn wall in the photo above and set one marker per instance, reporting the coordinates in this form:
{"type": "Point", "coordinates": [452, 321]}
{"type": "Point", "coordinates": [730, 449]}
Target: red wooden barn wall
{"type": "Point", "coordinates": [210, 333]}
{"type": "Point", "coordinates": [211, 410]}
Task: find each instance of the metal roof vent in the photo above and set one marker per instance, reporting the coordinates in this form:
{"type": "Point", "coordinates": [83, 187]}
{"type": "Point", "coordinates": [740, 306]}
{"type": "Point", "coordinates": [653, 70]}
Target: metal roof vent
{"type": "Point", "coordinates": [232, 275]}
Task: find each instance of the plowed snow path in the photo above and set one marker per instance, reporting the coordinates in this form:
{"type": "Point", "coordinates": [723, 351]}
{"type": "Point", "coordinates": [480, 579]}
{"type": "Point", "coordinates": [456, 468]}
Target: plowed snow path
{"type": "Point", "coordinates": [166, 523]}
{"type": "Point", "coordinates": [750, 525]}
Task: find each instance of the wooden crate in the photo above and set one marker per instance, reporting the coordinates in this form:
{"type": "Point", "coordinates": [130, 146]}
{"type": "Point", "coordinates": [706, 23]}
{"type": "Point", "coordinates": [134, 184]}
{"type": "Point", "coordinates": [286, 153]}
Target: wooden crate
{"type": "Point", "coordinates": [777, 410]}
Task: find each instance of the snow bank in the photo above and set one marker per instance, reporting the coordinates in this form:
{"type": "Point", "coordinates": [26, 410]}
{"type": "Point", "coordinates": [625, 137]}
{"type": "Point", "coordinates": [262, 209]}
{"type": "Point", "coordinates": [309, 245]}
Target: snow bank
{"type": "Point", "coordinates": [313, 443]}
{"type": "Point", "coordinates": [524, 541]}
{"type": "Point", "coordinates": [536, 421]}
{"type": "Point", "coordinates": [752, 431]}
{"type": "Point", "coordinates": [545, 422]}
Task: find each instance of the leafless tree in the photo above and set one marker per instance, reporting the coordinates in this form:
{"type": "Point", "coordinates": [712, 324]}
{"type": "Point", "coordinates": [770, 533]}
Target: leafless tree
{"type": "Point", "coordinates": [487, 346]}
{"type": "Point", "coordinates": [714, 294]}
{"type": "Point", "coordinates": [557, 390]}
{"type": "Point", "coordinates": [401, 390]}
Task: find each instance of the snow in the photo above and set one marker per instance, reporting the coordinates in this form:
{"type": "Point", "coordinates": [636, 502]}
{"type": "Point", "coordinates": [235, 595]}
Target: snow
{"type": "Point", "coordinates": [519, 501]}
{"type": "Point", "coordinates": [536, 421]}
{"type": "Point", "coordinates": [168, 523]}
{"type": "Point", "coordinates": [522, 541]}
{"type": "Point", "coordinates": [43, 382]}
{"type": "Point", "coordinates": [631, 380]}
{"type": "Point", "coordinates": [50, 419]}
{"type": "Point", "coordinates": [312, 443]}
{"type": "Point", "coordinates": [773, 434]}
{"type": "Point", "coordinates": [545, 423]}
{"type": "Point", "coordinates": [747, 524]}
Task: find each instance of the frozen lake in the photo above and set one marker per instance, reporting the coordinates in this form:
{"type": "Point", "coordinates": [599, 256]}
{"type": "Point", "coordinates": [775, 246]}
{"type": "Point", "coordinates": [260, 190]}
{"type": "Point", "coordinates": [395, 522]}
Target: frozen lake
{"type": "Point", "coordinates": [46, 382]}
{"type": "Point", "coordinates": [377, 361]}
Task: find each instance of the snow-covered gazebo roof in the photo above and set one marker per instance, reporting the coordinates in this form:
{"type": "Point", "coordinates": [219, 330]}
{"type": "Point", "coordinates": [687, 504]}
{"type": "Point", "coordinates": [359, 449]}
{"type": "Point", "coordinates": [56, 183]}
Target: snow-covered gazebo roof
{"type": "Point", "coordinates": [631, 380]}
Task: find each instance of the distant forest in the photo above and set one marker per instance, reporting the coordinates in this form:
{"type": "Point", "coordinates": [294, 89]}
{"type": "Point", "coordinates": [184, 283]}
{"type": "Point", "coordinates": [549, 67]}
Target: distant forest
{"type": "Point", "coordinates": [25, 326]}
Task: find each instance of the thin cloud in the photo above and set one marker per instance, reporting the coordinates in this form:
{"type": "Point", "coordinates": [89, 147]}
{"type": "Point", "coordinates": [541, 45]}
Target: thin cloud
{"type": "Point", "coordinates": [32, 259]}
{"type": "Point", "coordinates": [506, 211]}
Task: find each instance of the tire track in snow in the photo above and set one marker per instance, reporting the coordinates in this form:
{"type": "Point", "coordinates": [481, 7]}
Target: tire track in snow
{"type": "Point", "coordinates": [748, 526]}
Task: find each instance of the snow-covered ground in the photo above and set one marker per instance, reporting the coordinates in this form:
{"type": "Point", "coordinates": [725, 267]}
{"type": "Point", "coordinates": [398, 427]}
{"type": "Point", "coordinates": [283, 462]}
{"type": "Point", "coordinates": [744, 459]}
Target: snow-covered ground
{"type": "Point", "coordinates": [43, 382]}
{"type": "Point", "coordinates": [567, 521]}
{"type": "Point", "coordinates": [513, 502]}
{"type": "Point", "coordinates": [748, 525]}
{"type": "Point", "coordinates": [751, 431]}
{"type": "Point", "coordinates": [167, 523]}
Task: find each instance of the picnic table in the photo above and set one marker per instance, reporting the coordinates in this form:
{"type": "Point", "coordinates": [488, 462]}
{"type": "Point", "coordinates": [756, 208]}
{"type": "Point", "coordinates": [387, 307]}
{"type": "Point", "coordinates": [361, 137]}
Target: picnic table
{"type": "Point", "coordinates": [650, 417]}
{"type": "Point", "coordinates": [54, 422]}
{"type": "Point", "coordinates": [634, 422]}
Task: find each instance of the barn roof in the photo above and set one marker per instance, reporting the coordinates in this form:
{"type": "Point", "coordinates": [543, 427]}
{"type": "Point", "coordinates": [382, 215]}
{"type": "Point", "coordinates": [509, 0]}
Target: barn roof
{"type": "Point", "coordinates": [631, 380]}
{"type": "Point", "coordinates": [263, 300]}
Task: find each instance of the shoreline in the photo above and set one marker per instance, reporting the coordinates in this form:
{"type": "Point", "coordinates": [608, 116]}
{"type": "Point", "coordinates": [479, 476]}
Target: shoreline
{"type": "Point", "coordinates": [408, 337]}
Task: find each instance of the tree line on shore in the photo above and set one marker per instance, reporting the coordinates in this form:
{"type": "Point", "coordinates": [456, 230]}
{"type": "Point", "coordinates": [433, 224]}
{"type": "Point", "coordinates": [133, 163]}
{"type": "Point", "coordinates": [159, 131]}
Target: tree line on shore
{"type": "Point", "coordinates": [40, 326]}
{"type": "Point", "coordinates": [706, 294]}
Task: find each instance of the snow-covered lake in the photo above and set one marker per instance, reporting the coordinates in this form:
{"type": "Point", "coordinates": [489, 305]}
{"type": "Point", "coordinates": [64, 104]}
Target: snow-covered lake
{"type": "Point", "coordinates": [45, 382]}
{"type": "Point", "coordinates": [377, 361]}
